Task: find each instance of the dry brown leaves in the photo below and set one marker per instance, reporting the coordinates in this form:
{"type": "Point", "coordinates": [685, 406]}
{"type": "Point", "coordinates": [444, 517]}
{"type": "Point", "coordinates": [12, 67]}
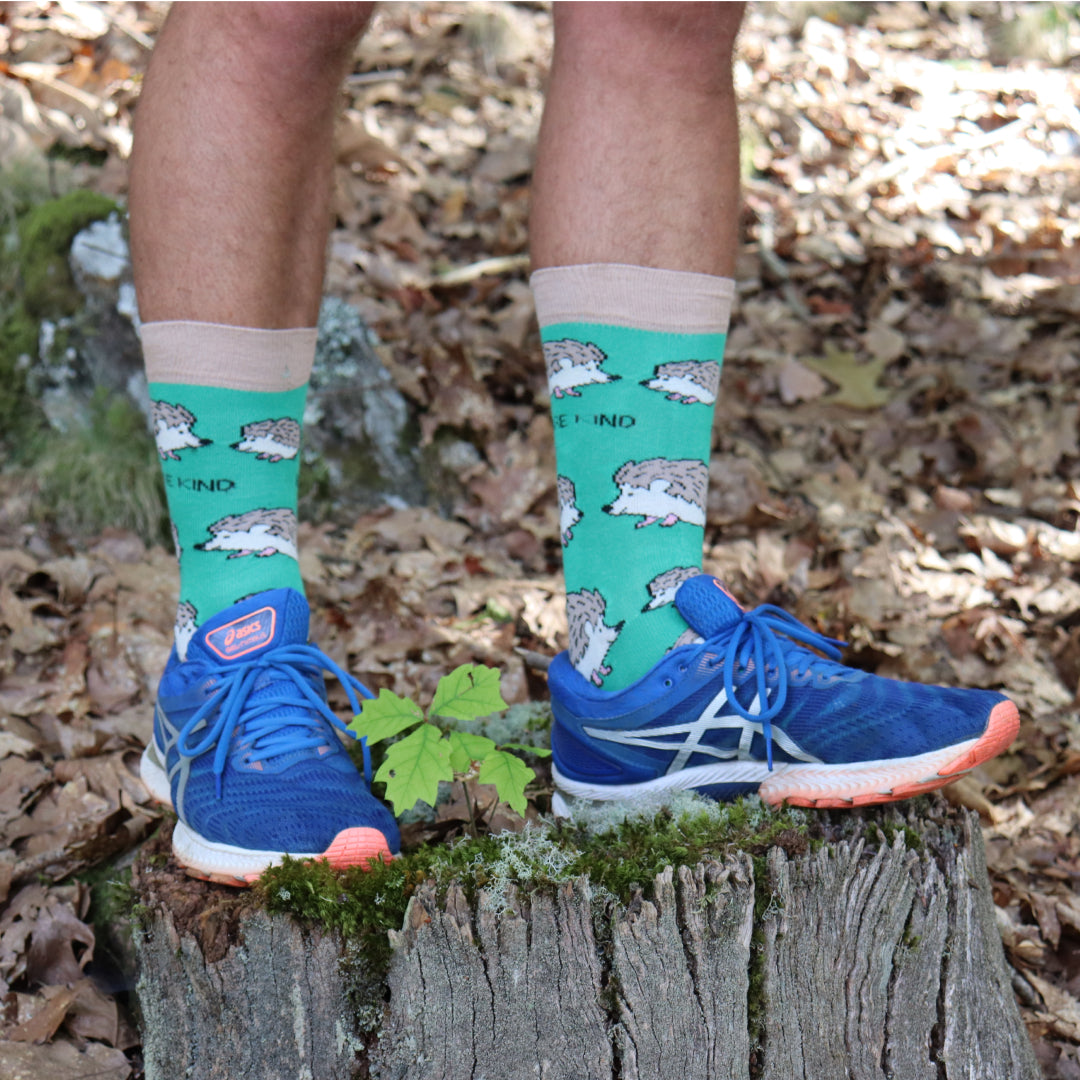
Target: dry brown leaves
{"type": "Point", "coordinates": [895, 455]}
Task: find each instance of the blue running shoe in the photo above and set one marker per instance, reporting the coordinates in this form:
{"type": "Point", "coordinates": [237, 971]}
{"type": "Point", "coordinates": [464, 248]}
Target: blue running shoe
{"type": "Point", "coordinates": [751, 709]}
{"type": "Point", "coordinates": [246, 749]}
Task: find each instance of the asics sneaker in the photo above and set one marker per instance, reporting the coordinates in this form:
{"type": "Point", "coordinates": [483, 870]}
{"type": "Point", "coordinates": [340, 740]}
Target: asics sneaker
{"type": "Point", "coordinates": [246, 749]}
{"type": "Point", "coordinates": [751, 709]}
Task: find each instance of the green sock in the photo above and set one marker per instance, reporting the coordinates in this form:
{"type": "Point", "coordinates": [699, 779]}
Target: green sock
{"type": "Point", "coordinates": [230, 458]}
{"type": "Point", "coordinates": [633, 358]}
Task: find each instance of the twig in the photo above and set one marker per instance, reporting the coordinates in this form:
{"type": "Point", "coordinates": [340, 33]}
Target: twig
{"type": "Point", "coordinates": [462, 275]}
{"type": "Point", "coordinates": [923, 160]}
{"type": "Point", "coordinates": [136, 35]}
{"type": "Point", "coordinates": [25, 868]}
{"type": "Point", "coordinates": [536, 661]}
{"type": "Point", "coordinates": [39, 73]}
{"type": "Point", "coordinates": [366, 78]}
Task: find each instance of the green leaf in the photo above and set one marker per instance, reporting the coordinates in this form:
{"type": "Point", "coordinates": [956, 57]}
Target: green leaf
{"type": "Point", "coordinates": [468, 692]}
{"type": "Point", "coordinates": [539, 751]}
{"type": "Point", "coordinates": [413, 768]}
{"type": "Point", "coordinates": [510, 775]}
{"type": "Point", "coordinates": [465, 748]}
{"type": "Point", "coordinates": [385, 716]}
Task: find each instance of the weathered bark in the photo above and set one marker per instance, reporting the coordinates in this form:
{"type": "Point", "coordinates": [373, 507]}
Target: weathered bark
{"type": "Point", "coordinates": [275, 1006]}
{"type": "Point", "coordinates": [890, 967]}
{"type": "Point", "coordinates": [860, 965]}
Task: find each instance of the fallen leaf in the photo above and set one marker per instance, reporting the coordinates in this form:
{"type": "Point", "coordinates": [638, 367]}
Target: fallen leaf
{"type": "Point", "coordinates": [60, 1060]}
{"type": "Point", "coordinates": [856, 380]}
{"type": "Point", "coordinates": [798, 383]}
{"type": "Point", "coordinates": [884, 343]}
{"type": "Point", "coordinates": [1063, 1008]}
{"type": "Point", "coordinates": [51, 1008]}
{"type": "Point", "coordinates": [57, 933]}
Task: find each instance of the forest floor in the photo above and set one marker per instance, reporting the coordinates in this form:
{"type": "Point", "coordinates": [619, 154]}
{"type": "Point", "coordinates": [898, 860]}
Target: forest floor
{"type": "Point", "coordinates": [895, 451]}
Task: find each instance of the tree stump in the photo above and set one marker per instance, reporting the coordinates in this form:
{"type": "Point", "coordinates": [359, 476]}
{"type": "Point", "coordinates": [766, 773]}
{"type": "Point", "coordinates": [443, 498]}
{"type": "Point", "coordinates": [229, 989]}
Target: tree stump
{"type": "Point", "coordinates": [857, 960]}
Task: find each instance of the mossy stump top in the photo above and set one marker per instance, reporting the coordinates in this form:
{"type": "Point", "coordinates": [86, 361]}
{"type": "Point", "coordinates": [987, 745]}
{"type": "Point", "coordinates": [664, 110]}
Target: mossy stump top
{"type": "Point", "coordinates": [856, 953]}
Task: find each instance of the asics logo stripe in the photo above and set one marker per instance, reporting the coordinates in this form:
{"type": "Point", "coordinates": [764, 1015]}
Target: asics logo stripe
{"type": "Point", "coordinates": [712, 718]}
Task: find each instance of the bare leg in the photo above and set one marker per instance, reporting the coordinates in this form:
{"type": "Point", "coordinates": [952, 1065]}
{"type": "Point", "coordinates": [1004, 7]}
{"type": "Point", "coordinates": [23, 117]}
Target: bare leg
{"type": "Point", "coordinates": [233, 160]}
{"type": "Point", "coordinates": [230, 188]}
{"type": "Point", "coordinates": [638, 160]}
{"type": "Point", "coordinates": [633, 242]}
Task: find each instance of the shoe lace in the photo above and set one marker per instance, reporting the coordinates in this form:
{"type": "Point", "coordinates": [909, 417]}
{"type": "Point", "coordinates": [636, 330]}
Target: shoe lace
{"type": "Point", "coordinates": [759, 636]}
{"type": "Point", "coordinates": [291, 667]}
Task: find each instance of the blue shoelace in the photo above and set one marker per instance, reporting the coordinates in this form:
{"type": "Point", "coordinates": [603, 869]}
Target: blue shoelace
{"type": "Point", "coordinates": [295, 666]}
{"type": "Point", "coordinates": [759, 636]}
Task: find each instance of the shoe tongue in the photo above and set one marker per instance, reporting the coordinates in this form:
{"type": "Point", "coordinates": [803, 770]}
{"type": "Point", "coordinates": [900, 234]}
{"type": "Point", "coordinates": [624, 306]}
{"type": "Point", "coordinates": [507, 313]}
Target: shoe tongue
{"type": "Point", "coordinates": [252, 626]}
{"type": "Point", "coordinates": [706, 605]}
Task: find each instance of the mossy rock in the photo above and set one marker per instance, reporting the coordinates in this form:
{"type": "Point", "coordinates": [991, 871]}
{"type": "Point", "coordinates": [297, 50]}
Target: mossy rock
{"type": "Point", "coordinates": [103, 475]}
{"type": "Point", "coordinates": [45, 235]}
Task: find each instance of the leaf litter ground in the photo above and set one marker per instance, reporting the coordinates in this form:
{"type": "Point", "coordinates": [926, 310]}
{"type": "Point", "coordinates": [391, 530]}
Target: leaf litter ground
{"type": "Point", "coordinates": [895, 462]}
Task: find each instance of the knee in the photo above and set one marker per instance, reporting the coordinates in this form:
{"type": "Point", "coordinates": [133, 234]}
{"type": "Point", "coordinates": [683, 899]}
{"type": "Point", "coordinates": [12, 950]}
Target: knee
{"type": "Point", "coordinates": [317, 28]}
{"type": "Point", "coordinates": [692, 42]}
{"type": "Point", "coordinates": [296, 39]}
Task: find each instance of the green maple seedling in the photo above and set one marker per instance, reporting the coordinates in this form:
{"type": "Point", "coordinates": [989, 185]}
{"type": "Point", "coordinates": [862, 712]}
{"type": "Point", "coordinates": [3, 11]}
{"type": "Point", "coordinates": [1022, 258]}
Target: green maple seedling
{"type": "Point", "coordinates": [431, 752]}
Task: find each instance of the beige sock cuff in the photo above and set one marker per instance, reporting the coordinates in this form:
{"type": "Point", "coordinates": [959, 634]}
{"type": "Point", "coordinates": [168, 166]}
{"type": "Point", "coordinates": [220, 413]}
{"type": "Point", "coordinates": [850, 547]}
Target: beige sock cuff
{"type": "Point", "coordinates": [669, 301]}
{"type": "Point", "coordinates": [229, 357]}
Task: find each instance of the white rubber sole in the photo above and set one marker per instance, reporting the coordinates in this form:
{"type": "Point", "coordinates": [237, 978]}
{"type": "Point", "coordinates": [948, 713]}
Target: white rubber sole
{"type": "Point", "coordinates": [228, 865]}
{"type": "Point", "coordinates": [859, 783]}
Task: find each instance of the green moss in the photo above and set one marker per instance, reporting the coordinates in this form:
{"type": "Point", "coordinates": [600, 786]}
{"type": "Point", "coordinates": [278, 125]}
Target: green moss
{"type": "Point", "coordinates": [77, 155]}
{"type": "Point", "coordinates": [631, 854]}
{"type": "Point", "coordinates": [45, 235]}
{"type": "Point", "coordinates": [106, 475]}
{"type": "Point", "coordinates": [111, 897]}
{"type": "Point", "coordinates": [21, 419]}
{"type": "Point", "coordinates": [875, 830]}
{"type": "Point", "coordinates": [365, 904]}
{"type": "Point", "coordinates": [316, 489]}
{"type": "Point", "coordinates": [618, 861]}
{"type": "Point", "coordinates": [110, 914]}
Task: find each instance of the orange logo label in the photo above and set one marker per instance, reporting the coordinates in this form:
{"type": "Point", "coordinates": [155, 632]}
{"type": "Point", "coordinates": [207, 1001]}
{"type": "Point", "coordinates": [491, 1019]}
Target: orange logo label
{"type": "Point", "coordinates": [727, 594]}
{"type": "Point", "coordinates": [244, 635]}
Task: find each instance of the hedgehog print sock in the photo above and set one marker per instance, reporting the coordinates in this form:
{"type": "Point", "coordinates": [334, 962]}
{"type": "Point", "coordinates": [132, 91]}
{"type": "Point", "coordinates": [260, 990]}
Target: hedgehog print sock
{"type": "Point", "coordinates": [633, 359]}
{"type": "Point", "coordinates": [227, 406]}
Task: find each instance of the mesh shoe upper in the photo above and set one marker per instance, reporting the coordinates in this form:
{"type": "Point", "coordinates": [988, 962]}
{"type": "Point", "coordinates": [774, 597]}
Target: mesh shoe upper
{"type": "Point", "coordinates": [753, 691]}
{"type": "Point", "coordinates": [251, 747]}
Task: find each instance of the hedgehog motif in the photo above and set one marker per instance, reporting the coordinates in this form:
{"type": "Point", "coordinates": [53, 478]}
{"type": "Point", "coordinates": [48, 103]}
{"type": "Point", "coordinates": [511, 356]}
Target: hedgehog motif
{"type": "Point", "coordinates": [664, 586]}
{"type": "Point", "coordinates": [569, 514]}
{"type": "Point", "coordinates": [572, 364]}
{"type": "Point", "coordinates": [184, 627]}
{"type": "Point", "coordinates": [258, 532]}
{"type": "Point", "coordinates": [662, 490]}
{"type": "Point", "coordinates": [590, 636]}
{"type": "Point", "coordinates": [172, 430]}
{"type": "Point", "coordinates": [270, 440]}
{"type": "Point", "coordinates": [687, 381]}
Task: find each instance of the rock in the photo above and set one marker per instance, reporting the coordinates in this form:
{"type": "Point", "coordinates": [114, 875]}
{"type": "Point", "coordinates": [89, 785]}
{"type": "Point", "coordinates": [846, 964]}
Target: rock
{"type": "Point", "coordinates": [86, 346]}
{"type": "Point", "coordinates": [357, 425]}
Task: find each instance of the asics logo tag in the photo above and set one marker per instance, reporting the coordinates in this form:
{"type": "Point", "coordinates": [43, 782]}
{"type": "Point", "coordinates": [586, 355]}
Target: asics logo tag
{"type": "Point", "coordinates": [244, 635]}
